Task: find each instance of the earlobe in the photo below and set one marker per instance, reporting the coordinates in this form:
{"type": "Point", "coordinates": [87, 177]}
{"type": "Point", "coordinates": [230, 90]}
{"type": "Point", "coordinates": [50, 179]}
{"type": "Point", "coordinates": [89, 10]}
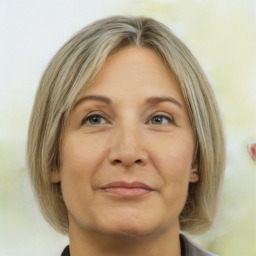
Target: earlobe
{"type": "Point", "coordinates": [55, 176]}
{"type": "Point", "coordinates": [194, 177]}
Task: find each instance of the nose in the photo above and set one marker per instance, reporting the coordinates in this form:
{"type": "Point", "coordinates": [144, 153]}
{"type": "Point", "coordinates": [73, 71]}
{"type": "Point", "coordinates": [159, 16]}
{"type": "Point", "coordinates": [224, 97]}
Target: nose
{"type": "Point", "coordinates": [127, 147]}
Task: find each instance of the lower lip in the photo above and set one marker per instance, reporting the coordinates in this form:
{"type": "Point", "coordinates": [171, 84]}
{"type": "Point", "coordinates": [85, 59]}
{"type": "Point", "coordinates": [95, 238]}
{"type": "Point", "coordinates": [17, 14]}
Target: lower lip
{"type": "Point", "coordinates": [127, 192]}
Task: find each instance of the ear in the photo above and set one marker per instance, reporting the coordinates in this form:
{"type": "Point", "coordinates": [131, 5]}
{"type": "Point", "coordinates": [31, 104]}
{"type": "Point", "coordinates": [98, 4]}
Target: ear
{"type": "Point", "coordinates": [55, 176]}
{"type": "Point", "coordinates": [194, 177]}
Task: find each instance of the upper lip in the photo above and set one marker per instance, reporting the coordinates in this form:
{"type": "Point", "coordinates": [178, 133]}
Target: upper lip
{"type": "Point", "coordinates": [124, 184]}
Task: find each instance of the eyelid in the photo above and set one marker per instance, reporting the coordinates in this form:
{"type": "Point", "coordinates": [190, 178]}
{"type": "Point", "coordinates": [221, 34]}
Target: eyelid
{"type": "Point", "coordinates": [95, 113]}
{"type": "Point", "coordinates": [169, 117]}
{"type": "Point", "coordinates": [165, 115]}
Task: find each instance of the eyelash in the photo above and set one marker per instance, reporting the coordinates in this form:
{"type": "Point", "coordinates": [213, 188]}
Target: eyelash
{"type": "Point", "coordinates": [89, 117]}
{"type": "Point", "coordinates": [170, 120]}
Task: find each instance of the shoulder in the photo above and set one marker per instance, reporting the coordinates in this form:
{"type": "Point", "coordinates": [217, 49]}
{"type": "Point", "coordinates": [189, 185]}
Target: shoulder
{"type": "Point", "coordinates": [191, 249]}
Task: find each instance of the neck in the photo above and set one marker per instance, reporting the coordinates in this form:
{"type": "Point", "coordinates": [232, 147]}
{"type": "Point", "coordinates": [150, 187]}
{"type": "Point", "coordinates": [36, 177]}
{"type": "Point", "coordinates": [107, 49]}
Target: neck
{"type": "Point", "coordinates": [93, 243]}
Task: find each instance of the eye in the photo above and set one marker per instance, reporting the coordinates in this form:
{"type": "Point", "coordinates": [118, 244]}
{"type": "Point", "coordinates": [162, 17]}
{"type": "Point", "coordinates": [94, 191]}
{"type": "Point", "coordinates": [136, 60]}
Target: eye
{"type": "Point", "coordinates": [160, 120]}
{"type": "Point", "coordinates": [94, 119]}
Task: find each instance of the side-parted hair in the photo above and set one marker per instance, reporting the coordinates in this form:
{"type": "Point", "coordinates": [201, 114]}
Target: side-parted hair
{"type": "Point", "coordinates": [72, 71]}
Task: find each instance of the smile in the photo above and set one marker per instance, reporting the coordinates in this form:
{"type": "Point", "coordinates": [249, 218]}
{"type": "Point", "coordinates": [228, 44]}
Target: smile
{"type": "Point", "coordinates": [125, 189]}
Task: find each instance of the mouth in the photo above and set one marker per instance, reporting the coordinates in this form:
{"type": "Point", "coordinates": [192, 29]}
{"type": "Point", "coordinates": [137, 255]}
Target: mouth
{"type": "Point", "coordinates": [127, 189]}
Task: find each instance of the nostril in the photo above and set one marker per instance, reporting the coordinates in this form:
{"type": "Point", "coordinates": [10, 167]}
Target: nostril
{"type": "Point", "coordinates": [126, 163]}
{"type": "Point", "coordinates": [117, 161]}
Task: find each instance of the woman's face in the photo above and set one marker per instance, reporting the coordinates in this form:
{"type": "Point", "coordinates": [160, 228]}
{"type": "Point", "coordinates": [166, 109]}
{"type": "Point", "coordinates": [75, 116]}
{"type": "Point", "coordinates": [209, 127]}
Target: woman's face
{"type": "Point", "coordinates": [127, 148]}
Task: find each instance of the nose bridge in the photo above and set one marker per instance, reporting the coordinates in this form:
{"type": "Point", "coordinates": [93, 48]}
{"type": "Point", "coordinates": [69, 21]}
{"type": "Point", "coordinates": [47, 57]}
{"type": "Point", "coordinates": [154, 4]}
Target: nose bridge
{"type": "Point", "coordinates": [127, 146]}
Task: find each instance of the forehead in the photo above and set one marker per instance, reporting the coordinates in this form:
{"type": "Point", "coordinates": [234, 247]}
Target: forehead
{"type": "Point", "coordinates": [135, 69]}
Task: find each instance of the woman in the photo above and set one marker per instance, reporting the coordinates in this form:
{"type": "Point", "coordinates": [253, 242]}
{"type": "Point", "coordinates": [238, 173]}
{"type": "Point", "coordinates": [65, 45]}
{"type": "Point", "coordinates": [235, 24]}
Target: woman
{"type": "Point", "coordinates": [125, 144]}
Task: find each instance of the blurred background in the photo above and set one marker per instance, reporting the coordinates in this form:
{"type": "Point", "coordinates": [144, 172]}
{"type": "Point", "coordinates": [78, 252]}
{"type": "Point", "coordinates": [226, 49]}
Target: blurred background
{"type": "Point", "coordinates": [221, 34]}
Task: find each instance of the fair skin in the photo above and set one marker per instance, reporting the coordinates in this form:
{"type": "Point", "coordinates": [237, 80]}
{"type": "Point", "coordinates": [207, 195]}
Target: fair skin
{"type": "Point", "coordinates": [127, 160]}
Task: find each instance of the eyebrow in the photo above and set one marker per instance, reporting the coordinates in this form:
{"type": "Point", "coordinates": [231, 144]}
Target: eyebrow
{"type": "Point", "coordinates": [94, 98]}
{"type": "Point", "coordinates": [156, 100]}
{"type": "Point", "coordinates": [151, 100]}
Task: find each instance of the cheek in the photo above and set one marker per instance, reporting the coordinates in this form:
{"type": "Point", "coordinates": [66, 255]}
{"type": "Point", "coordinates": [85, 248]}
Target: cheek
{"type": "Point", "coordinates": [79, 163]}
{"type": "Point", "coordinates": [173, 160]}
{"type": "Point", "coordinates": [80, 156]}
{"type": "Point", "coordinates": [173, 156]}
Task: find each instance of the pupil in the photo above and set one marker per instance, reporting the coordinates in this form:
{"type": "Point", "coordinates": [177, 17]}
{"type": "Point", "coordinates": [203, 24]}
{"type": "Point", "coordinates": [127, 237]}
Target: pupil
{"type": "Point", "coordinates": [95, 119]}
{"type": "Point", "coordinates": [157, 119]}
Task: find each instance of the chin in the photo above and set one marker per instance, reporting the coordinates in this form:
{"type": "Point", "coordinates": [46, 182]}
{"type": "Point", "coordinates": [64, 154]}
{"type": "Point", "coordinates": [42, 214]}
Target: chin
{"type": "Point", "coordinates": [132, 231]}
{"type": "Point", "coordinates": [134, 228]}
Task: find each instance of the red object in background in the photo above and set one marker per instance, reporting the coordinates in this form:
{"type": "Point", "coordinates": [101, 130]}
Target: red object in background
{"type": "Point", "coordinates": [252, 150]}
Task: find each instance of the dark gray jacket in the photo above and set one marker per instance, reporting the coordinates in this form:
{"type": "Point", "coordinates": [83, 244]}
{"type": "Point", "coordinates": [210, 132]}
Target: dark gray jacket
{"type": "Point", "coordinates": [188, 248]}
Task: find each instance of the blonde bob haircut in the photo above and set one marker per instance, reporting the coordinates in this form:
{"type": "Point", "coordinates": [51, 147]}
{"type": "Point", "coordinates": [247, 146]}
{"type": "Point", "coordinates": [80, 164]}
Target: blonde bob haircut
{"type": "Point", "coordinates": [71, 72]}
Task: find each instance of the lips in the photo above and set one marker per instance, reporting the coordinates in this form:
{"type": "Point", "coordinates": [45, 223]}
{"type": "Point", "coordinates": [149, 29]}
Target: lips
{"type": "Point", "coordinates": [127, 189]}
